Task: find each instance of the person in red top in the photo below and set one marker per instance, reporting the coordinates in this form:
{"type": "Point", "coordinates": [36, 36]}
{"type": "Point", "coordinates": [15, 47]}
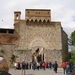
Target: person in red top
{"type": "Point", "coordinates": [64, 66]}
{"type": "Point", "coordinates": [44, 65]}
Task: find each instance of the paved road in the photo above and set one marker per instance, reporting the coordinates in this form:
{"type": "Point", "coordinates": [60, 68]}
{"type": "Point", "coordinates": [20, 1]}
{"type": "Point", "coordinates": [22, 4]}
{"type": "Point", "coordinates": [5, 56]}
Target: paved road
{"type": "Point", "coordinates": [37, 72]}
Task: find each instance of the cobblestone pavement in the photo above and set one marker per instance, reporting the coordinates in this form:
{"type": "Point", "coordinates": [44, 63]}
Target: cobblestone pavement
{"type": "Point", "coordinates": [37, 72]}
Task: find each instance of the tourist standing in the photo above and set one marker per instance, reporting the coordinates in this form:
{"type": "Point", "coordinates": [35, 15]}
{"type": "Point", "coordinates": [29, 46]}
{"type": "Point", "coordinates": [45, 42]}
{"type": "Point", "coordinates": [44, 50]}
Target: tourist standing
{"type": "Point", "coordinates": [23, 67]}
{"type": "Point", "coordinates": [55, 66]}
{"type": "Point", "coordinates": [64, 66]}
{"type": "Point", "coordinates": [38, 65]}
{"type": "Point", "coordinates": [4, 69]}
{"type": "Point", "coordinates": [50, 65]}
{"type": "Point", "coordinates": [15, 65]}
{"type": "Point", "coordinates": [67, 68]}
{"type": "Point", "coordinates": [44, 65]}
{"type": "Point", "coordinates": [34, 65]}
{"type": "Point", "coordinates": [70, 64]}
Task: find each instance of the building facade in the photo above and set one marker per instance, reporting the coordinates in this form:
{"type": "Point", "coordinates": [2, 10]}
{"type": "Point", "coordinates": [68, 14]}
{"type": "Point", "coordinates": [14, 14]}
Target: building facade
{"type": "Point", "coordinates": [36, 38]}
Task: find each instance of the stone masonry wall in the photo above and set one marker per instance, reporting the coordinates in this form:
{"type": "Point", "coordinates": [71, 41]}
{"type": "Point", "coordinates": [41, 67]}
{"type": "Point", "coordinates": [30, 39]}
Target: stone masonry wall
{"type": "Point", "coordinates": [64, 46]}
{"type": "Point", "coordinates": [6, 51]}
{"type": "Point", "coordinates": [50, 34]}
{"type": "Point", "coordinates": [47, 36]}
{"type": "Point", "coordinates": [53, 55]}
{"type": "Point", "coordinates": [23, 55]}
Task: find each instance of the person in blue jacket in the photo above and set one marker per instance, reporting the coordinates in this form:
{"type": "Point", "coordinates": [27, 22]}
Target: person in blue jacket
{"type": "Point", "coordinates": [55, 66]}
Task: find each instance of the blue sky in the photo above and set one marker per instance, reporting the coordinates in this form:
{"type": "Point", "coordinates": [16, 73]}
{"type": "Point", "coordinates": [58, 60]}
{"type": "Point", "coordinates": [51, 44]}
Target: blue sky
{"type": "Point", "coordinates": [61, 10]}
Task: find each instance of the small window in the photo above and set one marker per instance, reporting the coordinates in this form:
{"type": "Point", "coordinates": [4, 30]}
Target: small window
{"type": "Point", "coordinates": [17, 16]}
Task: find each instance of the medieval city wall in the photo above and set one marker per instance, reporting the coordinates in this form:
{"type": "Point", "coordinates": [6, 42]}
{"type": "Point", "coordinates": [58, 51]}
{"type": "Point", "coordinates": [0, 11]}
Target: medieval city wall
{"type": "Point", "coordinates": [47, 36]}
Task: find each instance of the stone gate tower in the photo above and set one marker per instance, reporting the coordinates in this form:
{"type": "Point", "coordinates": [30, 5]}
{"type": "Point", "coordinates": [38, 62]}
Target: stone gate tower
{"type": "Point", "coordinates": [38, 38]}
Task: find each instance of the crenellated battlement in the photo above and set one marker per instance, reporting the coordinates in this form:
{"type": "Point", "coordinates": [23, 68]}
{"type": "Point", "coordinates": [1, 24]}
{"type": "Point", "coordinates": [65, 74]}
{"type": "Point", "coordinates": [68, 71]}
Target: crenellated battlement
{"type": "Point", "coordinates": [38, 14]}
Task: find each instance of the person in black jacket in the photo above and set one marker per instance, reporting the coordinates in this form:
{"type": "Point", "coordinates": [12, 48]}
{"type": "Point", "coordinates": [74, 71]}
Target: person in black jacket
{"type": "Point", "coordinates": [23, 67]}
{"type": "Point", "coordinates": [4, 69]}
{"type": "Point", "coordinates": [55, 66]}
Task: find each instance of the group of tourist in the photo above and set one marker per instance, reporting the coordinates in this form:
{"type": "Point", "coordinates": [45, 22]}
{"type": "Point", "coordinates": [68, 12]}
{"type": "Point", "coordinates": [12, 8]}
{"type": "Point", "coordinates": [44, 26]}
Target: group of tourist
{"type": "Point", "coordinates": [48, 65]}
{"type": "Point", "coordinates": [44, 65]}
{"type": "Point", "coordinates": [17, 65]}
{"type": "Point", "coordinates": [67, 67]}
{"type": "Point", "coordinates": [36, 65]}
{"type": "Point", "coordinates": [4, 69]}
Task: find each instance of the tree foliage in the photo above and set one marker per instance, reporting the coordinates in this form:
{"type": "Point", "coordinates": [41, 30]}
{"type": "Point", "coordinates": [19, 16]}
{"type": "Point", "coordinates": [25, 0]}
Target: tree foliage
{"type": "Point", "coordinates": [73, 37]}
{"type": "Point", "coordinates": [72, 42]}
{"type": "Point", "coordinates": [73, 56]}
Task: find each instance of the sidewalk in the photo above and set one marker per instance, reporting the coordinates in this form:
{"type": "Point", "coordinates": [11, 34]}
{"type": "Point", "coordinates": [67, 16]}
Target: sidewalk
{"type": "Point", "coordinates": [37, 72]}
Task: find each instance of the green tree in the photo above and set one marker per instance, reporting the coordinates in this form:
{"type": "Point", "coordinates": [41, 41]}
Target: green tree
{"type": "Point", "coordinates": [71, 42]}
{"type": "Point", "coordinates": [69, 54]}
{"type": "Point", "coordinates": [73, 38]}
{"type": "Point", "coordinates": [73, 56]}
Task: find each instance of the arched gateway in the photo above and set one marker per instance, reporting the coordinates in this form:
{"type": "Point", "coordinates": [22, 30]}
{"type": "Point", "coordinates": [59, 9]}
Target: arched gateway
{"type": "Point", "coordinates": [38, 46]}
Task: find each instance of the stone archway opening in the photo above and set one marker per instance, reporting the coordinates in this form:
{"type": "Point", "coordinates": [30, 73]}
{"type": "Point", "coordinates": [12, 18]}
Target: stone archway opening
{"type": "Point", "coordinates": [38, 55]}
{"type": "Point", "coordinates": [38, 45]}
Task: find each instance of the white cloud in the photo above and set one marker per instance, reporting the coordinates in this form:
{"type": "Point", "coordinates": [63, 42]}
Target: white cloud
{"type": "Point", "coordinates": [63, 11]}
